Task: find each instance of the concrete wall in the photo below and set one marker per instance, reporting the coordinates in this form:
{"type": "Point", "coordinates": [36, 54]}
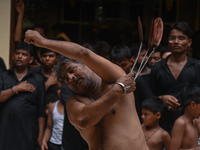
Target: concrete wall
{"type": "Point", "coordinates": [5, 10]}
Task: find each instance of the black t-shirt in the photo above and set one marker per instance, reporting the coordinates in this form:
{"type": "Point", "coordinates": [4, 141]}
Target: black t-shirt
{"type": "Point", "coordinates": [2, 65]}
{"type": "Point", "coordinates": [72, 139]}
{"type": "Point", "coordinates": [164, 83]}
{"type": "Point", "coordinates": [19, 114]}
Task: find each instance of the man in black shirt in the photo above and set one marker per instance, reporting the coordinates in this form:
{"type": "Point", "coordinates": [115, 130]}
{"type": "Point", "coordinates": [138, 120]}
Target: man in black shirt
{"type": "Point", "coordinates": [22, 104]}
{"type": "Point", "coordinates": [172, 74]}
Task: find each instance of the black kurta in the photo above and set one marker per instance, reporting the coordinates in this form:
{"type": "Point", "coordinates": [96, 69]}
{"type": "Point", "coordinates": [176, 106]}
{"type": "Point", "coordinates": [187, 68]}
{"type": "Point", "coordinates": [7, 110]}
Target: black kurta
{"type": "Point", "coordinates": [19, 114]}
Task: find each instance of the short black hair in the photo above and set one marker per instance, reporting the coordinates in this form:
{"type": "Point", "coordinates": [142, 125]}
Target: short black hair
{"type": "Point", "coordinates": [120, 53]}
{"type": "Point", "coordinates": [183, 27]}
{"type": "Point", "coordinates": [45, 50]}
{"type": "Point", "coordinates": [102, 48]}
{"type": "Point", "coordinates": [24, 46]}
{"type": "Point", "coordinates": [153, 104]}
{"type": "Point", "coordinates": [42, 26]}
{"type": "Point", "coordinates": [190, 93]}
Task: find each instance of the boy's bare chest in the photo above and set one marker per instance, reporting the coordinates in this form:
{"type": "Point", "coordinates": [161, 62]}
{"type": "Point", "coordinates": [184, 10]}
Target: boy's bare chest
{"type": "Point", "coordinates": [190, 137]}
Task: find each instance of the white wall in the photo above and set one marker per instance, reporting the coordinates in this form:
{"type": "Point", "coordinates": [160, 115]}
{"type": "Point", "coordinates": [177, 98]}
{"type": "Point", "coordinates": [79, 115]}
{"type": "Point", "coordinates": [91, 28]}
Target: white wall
{"type": "Point", "coordinates": [5, 12]}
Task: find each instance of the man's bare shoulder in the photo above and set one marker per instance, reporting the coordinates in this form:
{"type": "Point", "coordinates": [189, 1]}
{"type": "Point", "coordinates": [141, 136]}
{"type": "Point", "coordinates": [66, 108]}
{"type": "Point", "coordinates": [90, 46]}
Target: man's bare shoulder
{"type": "Point", "coordinates": [180, 122]}
{"type": "Point", "coordinates": [164, 134]}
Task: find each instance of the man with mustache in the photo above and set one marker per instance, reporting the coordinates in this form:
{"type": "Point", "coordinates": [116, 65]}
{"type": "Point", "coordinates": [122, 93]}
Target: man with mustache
{"type": "Point", "coordinates": [103, 106]}
{"type": "Point", "coordinates": [22, 112]}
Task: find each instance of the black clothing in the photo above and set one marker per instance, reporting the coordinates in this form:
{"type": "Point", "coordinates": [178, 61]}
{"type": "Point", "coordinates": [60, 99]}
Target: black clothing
{"type": "Point", "coordinates": [52, 146]}
{"type": "Point", "coordinates": [2, 65]}
{"type": "Point", "coordinates": [19, 114]}
{"type": "Point", "coordinates": [72, 139]}
{"type": "Point", "coordinates": [51, 93]}
{"type": "Point", "coordinates": [164, 83]}
{"type": "Point", "coordinates": [141, 93]}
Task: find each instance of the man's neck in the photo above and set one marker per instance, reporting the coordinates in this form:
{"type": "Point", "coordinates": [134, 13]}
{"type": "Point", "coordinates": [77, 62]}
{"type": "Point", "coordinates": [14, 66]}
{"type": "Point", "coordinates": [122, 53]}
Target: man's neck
{"type": "Point", "coordinates": [96, 91]}
{"type": "Point", "coordinates": [178, 58]}
{"type": "Point", "coordinates": [20, 72]}
{"type": "Point", "coordinates": [47, 72]}
{"type": "Point", "coordinates": [152, 127]}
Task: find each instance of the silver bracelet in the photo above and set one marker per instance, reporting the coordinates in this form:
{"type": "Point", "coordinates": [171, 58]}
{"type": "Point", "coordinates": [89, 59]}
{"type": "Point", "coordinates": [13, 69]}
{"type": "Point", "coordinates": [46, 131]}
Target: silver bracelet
{"type": "Point", "coordinates": [123, 86]}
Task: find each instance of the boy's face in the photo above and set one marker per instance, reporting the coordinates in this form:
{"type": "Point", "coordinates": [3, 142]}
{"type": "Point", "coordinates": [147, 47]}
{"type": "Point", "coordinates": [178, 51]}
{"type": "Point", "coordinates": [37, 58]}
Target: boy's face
{"type": "Point", "coordinates": [196, 109]}
{"type": "Point", "coordinates": [141, 56]}
{"type": "Point", "coordinates": [154, 58]}
{"type": "Point", "coordinates": [125, 64]}
{"type": "Point", "coordinates": [22, 58]}
{"type": "Point", "coordinates": [149, 118]}
{"type": "Point", "coordinates": [49, 59]}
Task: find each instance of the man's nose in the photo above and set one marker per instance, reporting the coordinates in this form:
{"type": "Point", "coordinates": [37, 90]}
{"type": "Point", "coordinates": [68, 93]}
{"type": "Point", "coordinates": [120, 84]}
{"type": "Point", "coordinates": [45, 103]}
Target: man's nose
{"type": "Point", "coordinates": [47, 58]}
{"type": "Point", "coordinates": [20, 55]}
{"type": "Point", "coordinates": [142, 117]}
{"type": "Point", "coordinates": [71, 77]}
{"type": "Point", "coordinates": [176, 40]}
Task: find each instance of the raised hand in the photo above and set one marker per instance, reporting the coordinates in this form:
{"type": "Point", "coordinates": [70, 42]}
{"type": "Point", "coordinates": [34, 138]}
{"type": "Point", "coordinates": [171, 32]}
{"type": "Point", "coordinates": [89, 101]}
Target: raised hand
{"type": "Point", "coordinates": [20, 7]}
{"type": "Point", "coordinates": [34, 37]}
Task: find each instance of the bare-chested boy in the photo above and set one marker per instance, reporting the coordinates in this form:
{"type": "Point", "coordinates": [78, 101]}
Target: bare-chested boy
{"type": "Point", "coordinates": [185, 132]}
{"type": "Point", "coordinates": [103, 108]}
{"type": "Point", "coordinates": [156, 137]}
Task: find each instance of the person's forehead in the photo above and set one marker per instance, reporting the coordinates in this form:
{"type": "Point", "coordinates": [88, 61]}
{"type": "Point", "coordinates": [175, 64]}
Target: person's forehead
{"type": "Point", "coordinates": [175, 31]}
{"type": "Point", "coordinates": [49, 53]}
{"type": "Point", "coordinates": [158, 54]}
{"type": "Point", "coordinates": [147, 110]}
{"type": "Point", "coordinates": [22, 51]}
{"type": "Point", "coordinates": [70, 64]}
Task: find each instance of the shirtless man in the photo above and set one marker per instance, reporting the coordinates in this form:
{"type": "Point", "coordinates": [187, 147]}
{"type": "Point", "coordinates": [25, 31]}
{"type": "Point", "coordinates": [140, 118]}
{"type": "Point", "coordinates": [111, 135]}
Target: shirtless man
{"type": "Point", "coordinates": [103, 108]}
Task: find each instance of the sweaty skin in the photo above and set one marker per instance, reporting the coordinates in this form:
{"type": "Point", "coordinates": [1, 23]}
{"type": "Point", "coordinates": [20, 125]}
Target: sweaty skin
{"type": "Point", "coordinates": [104, 116]}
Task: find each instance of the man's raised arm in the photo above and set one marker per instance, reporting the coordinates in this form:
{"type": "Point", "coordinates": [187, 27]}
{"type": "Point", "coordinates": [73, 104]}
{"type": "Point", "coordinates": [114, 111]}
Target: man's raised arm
{"type": "Point", "coordinates": [108, 71]}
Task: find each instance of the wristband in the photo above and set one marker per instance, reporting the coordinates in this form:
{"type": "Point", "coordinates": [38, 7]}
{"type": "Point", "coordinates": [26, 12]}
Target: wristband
{"type": "Point", "coordinates": [123, 86]}
{"type": "Point", "coordinates": [161, 97]}
{"type": "Point", "coordinates": [14, 90]}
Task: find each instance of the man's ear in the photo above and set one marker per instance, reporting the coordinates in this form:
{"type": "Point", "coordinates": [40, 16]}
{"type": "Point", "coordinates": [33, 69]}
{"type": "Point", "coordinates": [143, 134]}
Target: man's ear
{"type": "Point", "coordinates": [192, 104]}
{"type": "Point", "coordinates": [31, 60]}
{"type": "Point", "coordinates": [57, 57]}
{"type": "Point", "coordinates": [158, 115]}
{"type": "Point", "coordinates": [189, 42]}
{"type": "Point", "coordinates": [132, 60]}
